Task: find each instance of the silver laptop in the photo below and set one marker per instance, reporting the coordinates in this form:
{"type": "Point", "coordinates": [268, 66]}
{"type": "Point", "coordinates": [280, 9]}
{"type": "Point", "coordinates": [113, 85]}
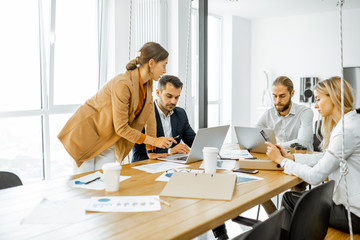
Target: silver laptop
{"type": "Point", "coordinates": [205, 137]}
{"type": "Point", "coordinates": [250, 138]}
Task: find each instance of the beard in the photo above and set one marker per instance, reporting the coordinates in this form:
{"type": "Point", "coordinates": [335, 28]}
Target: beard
{"type": "Point", "coordinates": [167, 107]}
{"type": "Point", "coordinates": [282, 107]}
{"type": "Point", "coordinates": [170, 107]}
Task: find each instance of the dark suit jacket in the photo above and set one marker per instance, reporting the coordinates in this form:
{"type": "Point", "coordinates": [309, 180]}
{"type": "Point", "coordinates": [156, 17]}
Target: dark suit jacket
{"type": "Point", "coordinates": [179, 126]}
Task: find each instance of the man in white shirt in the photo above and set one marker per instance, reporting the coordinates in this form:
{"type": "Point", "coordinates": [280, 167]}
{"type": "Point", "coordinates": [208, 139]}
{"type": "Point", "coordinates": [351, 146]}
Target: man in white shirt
{"type": "Point", "coordinates": [291, 122]}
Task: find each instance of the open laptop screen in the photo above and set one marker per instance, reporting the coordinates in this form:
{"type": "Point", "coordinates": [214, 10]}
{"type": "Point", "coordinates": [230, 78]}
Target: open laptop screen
{"type": "Point", "coordinates": [205, 137]}
{"type": "Point", "coordinates": [251, 139]}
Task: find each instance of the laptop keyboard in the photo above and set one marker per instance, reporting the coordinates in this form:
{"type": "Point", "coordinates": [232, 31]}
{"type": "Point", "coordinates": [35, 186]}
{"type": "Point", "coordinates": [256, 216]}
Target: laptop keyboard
{"type": "Point", "coordinates": [181, 158]}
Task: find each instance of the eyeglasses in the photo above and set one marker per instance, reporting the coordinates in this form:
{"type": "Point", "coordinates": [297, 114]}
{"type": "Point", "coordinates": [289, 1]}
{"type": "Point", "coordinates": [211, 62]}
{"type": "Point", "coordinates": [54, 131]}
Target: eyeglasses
{"type": "Point", "coordinates": [170, 172]}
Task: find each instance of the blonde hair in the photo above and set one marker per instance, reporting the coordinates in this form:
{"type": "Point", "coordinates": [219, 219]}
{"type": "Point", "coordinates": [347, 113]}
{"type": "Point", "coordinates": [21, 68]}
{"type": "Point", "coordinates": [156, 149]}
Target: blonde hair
{"type": "Point", "coordinates": [332, 88]}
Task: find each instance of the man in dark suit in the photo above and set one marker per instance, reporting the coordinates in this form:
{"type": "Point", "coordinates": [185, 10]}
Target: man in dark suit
{"type": "Point", "coordinates": [171, 121]}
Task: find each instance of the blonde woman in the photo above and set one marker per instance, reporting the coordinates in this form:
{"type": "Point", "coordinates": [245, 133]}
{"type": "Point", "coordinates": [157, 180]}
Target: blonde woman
{"type": "Point", "coordinates": [109, 124]}
{"type": "Point", "coordinates": [315, 168]}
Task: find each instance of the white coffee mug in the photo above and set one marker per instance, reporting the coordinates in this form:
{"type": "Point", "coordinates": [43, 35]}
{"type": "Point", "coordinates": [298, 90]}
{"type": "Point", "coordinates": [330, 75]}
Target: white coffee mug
{"type": "Point", "coordinates": [210, 159]}
{"type": "Point", "coordinates": [111, 176]}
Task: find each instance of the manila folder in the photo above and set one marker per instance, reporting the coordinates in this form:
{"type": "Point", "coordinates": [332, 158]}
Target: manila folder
{"type": "Point", "coordinates": [200, 185]}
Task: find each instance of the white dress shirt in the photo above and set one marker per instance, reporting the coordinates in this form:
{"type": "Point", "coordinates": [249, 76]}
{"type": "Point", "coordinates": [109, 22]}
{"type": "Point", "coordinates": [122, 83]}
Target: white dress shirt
{"type": "Point", "coordinates": [296, 127]}
{"type": "Point", "coordinates": [315, 168]}
{"type": "Point", "coordinates": [165, 121]}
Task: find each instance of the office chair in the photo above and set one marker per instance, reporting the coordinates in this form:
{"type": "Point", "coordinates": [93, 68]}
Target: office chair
{"type": "Point", "coordinates": [8, 180]}
{"type": "Point", "coordinates": [316, 140]}
{"type": "Point", "coordinates": [310, 219]}
{"type": "Point", "coordinates": [270, 229]}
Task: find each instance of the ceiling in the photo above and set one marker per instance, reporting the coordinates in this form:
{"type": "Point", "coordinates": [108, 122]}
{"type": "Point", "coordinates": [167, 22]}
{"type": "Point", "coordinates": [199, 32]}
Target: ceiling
{"type": "Point", "coordinates": [255, 9]}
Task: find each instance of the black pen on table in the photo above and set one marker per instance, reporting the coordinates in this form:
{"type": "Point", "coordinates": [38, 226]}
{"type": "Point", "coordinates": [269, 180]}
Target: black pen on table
{"type": "Point", "coordinates": [225, 158]}
{"type": "Point", "coordinates": [92, 180]}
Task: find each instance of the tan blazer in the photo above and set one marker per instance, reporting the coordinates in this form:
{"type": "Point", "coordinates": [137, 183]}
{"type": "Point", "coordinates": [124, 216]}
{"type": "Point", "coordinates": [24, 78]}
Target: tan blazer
{"type": "Point", "coordinates": [108, 119]}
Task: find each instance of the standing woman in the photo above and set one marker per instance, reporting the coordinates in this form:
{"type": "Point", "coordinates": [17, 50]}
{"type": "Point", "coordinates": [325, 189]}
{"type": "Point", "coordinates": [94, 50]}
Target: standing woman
{"type": "Point", "coordinates": [315, 168]}
{"type": "Point", "coordinates": [114, 118]}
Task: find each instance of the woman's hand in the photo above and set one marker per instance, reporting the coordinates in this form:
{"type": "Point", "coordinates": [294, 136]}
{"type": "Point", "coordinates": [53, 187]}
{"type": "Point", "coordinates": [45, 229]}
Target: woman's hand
{"type": "Point", "coordinates": [273, 152]}
{"type": "Point", "coordinates": [180, 148]}
{"type": "Point", "coordinates": [163, 142]}
{"type": "Point", "coordinates": [284, 153]}
{"type": "Point", "coordinates": [157, 155]}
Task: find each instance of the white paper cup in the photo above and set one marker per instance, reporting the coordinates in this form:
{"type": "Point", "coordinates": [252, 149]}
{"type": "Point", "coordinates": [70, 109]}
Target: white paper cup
{"type": "Point", "coordinates": [210, 159]}
{"type": "Point", "coordinates": [111, 176]}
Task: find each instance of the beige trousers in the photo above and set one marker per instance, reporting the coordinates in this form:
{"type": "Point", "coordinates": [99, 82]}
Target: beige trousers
{"type": "Point", "coordinates": [97, 162]}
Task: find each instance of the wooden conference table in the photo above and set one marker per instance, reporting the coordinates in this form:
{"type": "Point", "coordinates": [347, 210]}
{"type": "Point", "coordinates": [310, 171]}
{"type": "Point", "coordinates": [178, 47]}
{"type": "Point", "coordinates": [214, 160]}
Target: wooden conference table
{"type": "Point", "coordinates": [184, 219]}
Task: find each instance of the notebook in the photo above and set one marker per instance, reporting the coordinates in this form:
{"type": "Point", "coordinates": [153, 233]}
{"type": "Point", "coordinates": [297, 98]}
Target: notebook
{"type": "Point", "coordinates": [200, 185]}
{"type": "Point", "coordinates": [250, 138]}
{"type": "Point", "coordinates": [205, 137]}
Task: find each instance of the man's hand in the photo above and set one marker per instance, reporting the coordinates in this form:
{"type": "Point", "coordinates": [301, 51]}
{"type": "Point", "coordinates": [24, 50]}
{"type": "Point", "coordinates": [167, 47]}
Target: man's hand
{"type": "Point", "coordinates": [157, 155]}
{"type": "Point", "coordinates": [180, 148]}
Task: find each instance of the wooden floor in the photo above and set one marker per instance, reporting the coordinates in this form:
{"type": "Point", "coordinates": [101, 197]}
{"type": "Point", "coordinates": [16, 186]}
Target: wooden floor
{"type": "Point", "coordinates": [334, 234]}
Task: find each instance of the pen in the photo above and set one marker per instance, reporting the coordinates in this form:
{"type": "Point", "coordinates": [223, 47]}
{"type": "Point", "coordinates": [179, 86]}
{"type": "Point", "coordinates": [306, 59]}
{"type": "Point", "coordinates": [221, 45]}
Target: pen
{"type": "Point", "coordinates": [92, 180]}
{"type": "Point", "coordinates": [224, 158]}
{"type": "Point", "coordinates": [172, 144]}
{"type": "Point", "coordinates": [164, 202]}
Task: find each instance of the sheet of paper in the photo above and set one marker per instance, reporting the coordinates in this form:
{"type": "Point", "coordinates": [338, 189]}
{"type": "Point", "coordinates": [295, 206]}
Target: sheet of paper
{"type": "Point", "coordinates": [166, 176]}
{"type": "Point", "coordinates": [243, 178]}
{"type": "Point", "coordinates": [223, 164]}
{"type": "Point", "coordinates": [235, 154]}
{"type": "Point", "coordinates": [96, 185]}
{"type": "Point", "coordinates": [58, 212]}
{"type": "Point", "coordinates": [124, 204]}
{"type": "Point", "coordinates": [160, 167]}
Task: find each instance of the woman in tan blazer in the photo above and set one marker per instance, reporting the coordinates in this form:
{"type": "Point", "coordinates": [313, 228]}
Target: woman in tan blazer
{"type": "Point", "coordinates": [119, 111]}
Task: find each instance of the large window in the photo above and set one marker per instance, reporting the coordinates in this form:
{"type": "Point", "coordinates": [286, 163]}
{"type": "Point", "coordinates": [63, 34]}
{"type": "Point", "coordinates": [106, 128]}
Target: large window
{"type": "Point", "coordinates": [56, 54]}
{"type": "Point", "coordinates": [49, 66]}
{"type": "Point", "coordinates": [19, 58]}
{"type": "Point", "coordinates": [76, 55]}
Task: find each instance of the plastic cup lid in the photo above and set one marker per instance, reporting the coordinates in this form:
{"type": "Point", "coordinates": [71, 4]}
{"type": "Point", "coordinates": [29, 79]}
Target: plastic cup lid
{"type": "Point", "coordinates": [111, 166]}
{"type": "Point", "coordinates": [210, 149]}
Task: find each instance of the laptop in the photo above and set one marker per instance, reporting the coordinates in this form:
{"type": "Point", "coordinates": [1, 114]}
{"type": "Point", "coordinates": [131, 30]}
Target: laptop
{"type": "Point", "coordinates": [205, 137]}
{"type": "Point", "coordinates": [251, 139]}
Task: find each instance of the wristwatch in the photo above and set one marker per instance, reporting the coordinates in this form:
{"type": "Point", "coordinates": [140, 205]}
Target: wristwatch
{"type": "Point", "coordinates": [151, 151]}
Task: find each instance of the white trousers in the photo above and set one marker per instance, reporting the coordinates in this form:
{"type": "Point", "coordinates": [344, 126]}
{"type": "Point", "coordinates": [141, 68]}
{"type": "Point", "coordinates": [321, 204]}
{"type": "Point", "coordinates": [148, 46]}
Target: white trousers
{"type": "Point", "coordinates": [97, 162]}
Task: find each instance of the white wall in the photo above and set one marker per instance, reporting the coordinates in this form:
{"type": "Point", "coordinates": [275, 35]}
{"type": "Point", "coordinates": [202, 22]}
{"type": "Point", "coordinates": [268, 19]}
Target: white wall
{"type": "Point", "coordinates": [301, 46]}
{"type": "Point", "coordinates": [236, 73]}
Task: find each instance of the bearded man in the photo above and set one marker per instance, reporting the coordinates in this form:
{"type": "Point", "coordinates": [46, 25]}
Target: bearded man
{"type": "Point", "coordinates": [291, 122]}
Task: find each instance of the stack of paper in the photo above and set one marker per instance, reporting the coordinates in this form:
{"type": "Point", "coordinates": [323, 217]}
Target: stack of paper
{"type": "Point", "coordinates": [235, 154]}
